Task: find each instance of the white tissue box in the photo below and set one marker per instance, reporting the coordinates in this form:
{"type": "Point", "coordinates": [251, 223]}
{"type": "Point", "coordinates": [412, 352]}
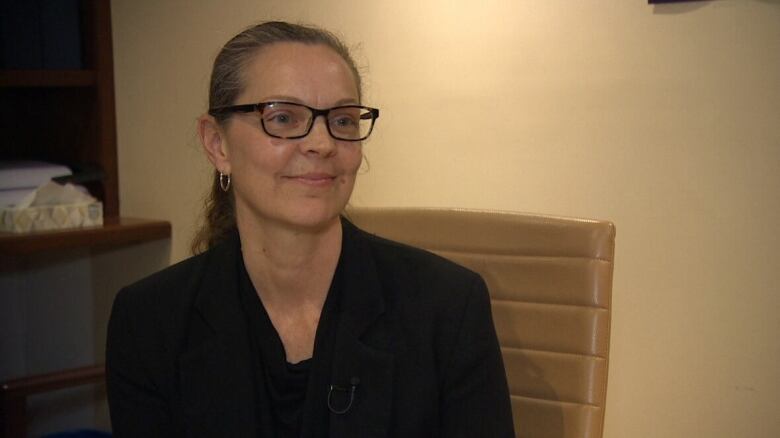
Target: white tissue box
{"type": "Point", "coordinates": [51, 217]}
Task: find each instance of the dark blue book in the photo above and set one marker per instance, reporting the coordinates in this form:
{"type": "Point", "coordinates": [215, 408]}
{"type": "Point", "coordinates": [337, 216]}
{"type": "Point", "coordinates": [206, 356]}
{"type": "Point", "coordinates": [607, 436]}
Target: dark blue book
{"type": "Point", "coordinates": [21, 42]}
{"type": "Point", "coordinates": [61, 34]}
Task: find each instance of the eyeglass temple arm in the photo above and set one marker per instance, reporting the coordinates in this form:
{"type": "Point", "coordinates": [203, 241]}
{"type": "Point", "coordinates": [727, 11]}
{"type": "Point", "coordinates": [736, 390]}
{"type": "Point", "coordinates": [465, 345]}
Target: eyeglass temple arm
{"type": "Point", "coordinates": [373, 113]}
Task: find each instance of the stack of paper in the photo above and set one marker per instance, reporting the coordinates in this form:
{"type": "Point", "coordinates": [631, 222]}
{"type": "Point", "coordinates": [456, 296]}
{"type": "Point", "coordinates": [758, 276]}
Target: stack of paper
{"type": "Point", "coordinates": [20, 179]}
{"type": "Point", "coordinates": [35, 203]}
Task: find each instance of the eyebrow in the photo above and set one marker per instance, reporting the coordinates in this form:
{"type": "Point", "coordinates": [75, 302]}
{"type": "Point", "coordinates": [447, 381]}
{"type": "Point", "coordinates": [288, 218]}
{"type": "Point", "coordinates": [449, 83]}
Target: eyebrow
{"type": "Point", "coordinates": [345, 101]}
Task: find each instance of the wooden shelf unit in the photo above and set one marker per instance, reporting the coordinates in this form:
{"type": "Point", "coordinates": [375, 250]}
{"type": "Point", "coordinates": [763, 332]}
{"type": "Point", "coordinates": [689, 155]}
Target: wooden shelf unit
{"type": "Point", "coordinates": [68, 117]}
{"type": "Point", "coordinates": [46, 78]}
{"type": "Point", "coordinates": [116, 231]}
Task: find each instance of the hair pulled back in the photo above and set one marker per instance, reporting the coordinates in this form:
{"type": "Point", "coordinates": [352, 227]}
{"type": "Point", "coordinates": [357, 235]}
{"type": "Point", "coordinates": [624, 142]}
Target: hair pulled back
{"type": "Point", "coordinates": [227, 83]}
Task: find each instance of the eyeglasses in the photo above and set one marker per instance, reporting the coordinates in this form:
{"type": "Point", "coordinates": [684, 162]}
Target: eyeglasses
{"type": "Point", "coordinates": [294, 120]}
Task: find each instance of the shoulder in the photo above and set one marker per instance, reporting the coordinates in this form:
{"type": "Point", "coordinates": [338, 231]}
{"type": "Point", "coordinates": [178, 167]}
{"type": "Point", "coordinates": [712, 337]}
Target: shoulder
{"type": "Point", "coordinates": [164, 285]}
{"type": "Point", "coordinates": [155, 312]}
{"type": "Point", "coordinates": [431, 299]}
{"type": "Point", "coordinates": [173, 290]}
{"type": "Point", "coordinates": [416, 276]}
{"type": "Point", "coordinates": [398, 257]}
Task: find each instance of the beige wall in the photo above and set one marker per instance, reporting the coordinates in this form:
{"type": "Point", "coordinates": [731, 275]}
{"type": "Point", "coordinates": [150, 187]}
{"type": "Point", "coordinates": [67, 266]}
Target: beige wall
{"type": "Point", "coordinates": [662, 119]}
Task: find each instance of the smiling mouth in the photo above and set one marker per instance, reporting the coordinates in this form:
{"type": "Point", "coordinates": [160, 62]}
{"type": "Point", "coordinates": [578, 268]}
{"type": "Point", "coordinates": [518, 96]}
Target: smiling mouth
{"type": "Point", "coordinates": [313, 179]}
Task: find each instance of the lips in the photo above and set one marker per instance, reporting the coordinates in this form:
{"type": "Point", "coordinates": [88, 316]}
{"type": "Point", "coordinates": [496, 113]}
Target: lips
{"type": "Point", "coordinates": [315, 179]}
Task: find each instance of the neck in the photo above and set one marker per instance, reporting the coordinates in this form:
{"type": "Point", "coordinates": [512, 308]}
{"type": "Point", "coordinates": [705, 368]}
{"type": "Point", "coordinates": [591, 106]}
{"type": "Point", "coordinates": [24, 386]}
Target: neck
{"type": "Point", "coordinates": [290, 266]}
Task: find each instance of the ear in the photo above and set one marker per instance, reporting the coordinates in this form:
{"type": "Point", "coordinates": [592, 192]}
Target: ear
{"type": "Point", "coordinates": [212, 137]}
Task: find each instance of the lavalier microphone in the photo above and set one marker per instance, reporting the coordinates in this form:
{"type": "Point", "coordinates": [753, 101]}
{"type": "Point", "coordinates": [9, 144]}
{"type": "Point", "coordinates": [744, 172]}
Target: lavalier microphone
{"type": "Point", "coordinates": [353, 384]}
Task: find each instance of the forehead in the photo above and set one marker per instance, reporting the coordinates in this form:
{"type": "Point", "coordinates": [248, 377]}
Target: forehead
{"type": "Point", "coordinates": [311, 73]}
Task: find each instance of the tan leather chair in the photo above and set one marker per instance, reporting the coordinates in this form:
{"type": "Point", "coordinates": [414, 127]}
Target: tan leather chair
{"type": "Point", "coordinates": [550, 282]}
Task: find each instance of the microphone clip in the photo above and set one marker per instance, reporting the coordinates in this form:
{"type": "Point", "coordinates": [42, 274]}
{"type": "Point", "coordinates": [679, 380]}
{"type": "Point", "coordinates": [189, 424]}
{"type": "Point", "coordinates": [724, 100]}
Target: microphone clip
{"type": "Point", "coordinates": [353, 384]}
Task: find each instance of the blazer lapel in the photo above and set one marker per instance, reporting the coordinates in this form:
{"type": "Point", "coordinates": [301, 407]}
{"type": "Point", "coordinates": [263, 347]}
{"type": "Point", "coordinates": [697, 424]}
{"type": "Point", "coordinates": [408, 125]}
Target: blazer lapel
{"type": "Point", "coordinates": [361, 355]}
{"type": "Point", "coordinates": [217, 383]}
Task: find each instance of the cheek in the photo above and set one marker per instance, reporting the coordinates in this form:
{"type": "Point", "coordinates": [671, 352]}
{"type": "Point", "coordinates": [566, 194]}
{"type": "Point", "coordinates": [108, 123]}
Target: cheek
{"type": "Point", "coordinates": [260, 157]}
{"type": "Point", "coordinates": [354, 160]}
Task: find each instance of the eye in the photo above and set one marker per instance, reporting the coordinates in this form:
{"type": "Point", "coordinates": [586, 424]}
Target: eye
{"type": "Point", "coordinates": [279, 118]}
{"type": "Point", "coordinates": [344, 121]}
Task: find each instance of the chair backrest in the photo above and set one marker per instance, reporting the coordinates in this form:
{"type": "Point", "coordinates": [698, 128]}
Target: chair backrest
{"type": "Point", "coordinates": [550, 282]}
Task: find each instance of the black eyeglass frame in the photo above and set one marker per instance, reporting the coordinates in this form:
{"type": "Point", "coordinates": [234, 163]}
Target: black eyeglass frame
{"type": "Point", "coordinates": [372, 113]}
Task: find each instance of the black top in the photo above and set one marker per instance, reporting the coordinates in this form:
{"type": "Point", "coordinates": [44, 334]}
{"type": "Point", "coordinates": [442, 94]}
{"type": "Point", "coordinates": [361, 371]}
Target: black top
{"type": "Point", "coordinates": [414, 328]}
{"type": "Point", "coordinates": [286, 384]}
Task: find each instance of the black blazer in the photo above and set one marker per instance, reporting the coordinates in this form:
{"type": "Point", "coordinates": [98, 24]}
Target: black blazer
{"type": "Point", "coordinates": [415, 328]}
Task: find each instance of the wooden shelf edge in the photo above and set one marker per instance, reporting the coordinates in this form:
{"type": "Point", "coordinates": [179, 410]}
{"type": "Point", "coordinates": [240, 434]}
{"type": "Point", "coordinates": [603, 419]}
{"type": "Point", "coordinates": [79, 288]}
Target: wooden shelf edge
{"type": "Point", "coordinates": [29, 385]}
{"type": "Point", "coordinates": [114, 232]}
{"type": "Point", "coordinates": [47, 78]}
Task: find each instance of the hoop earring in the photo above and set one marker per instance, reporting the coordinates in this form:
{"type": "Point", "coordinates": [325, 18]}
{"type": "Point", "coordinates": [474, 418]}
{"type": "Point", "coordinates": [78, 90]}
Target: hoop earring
{"type": "Point", "coordinates": [224, 181]}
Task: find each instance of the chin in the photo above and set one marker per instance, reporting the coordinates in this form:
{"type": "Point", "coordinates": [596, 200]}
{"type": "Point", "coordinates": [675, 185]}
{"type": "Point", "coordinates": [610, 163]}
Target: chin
{"type": "Point", "coordinates": [315, 218]}
{"type": "Point", "coordinates": [307, 214]}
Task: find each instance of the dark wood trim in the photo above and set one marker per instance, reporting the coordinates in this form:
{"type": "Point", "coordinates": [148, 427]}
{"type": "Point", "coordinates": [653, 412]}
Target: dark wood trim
{"type": "Point", "coordinates": [115, 232]}
{"type": "Point", "coordinates": [99, 56]}
{"type": "Point", "coordinates": [47, 78]}
{"type": "Point", "coordinates": [14, 393]}
{"type": "Point", "coordinates": [36, 384]}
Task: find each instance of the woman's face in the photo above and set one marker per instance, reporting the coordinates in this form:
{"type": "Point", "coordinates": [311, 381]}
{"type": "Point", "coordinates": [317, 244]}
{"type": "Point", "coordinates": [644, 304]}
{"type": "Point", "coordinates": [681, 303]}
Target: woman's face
{"type": "Point", "coordinates": [304, 182]}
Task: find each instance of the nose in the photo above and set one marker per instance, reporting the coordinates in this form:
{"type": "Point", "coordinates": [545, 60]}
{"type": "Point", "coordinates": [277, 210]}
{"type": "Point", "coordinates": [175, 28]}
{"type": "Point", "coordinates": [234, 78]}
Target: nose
{"type": "Point", "coordinates": [319, 141]}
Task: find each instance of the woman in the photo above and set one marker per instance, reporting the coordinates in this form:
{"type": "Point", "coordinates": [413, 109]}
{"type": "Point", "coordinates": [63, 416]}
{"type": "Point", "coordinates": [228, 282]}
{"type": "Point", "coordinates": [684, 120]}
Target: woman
{"type": "Point", "coordinates": [293, 322]}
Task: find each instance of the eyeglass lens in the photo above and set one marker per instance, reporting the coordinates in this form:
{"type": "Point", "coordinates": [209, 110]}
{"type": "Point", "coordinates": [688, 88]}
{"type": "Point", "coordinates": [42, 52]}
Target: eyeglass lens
{"type": "Point", "coordinates": [287, 120]}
